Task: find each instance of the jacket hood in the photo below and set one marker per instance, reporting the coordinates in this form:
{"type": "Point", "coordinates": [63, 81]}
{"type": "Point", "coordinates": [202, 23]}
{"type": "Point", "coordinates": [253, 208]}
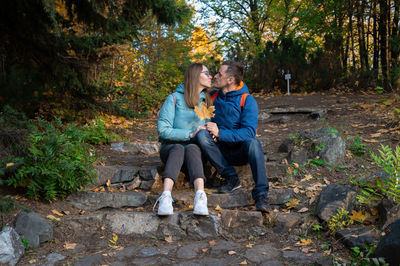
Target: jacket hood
{"type": "Point", "coordinates": [180, 88]}
{"type": "Point", "coordinates": [242, 88]}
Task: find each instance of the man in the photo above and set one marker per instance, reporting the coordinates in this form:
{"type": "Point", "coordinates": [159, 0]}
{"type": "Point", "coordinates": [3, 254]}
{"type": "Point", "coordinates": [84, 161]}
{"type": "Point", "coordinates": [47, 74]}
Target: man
{"type": "Point", "coordinates": [230, 137]}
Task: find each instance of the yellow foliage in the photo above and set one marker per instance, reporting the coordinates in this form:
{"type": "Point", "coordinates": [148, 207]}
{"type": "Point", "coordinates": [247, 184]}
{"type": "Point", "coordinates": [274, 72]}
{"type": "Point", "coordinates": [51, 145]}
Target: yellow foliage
{"type": "Point", "coordinates": [204, 112]}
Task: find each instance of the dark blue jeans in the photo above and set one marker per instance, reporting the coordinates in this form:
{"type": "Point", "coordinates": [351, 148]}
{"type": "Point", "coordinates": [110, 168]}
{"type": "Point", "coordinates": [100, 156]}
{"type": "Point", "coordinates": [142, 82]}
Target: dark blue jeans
{"type": "Point", "coordinates": [223, 158]}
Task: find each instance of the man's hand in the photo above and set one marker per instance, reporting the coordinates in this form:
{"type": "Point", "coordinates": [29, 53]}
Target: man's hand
{"type": "Point", "coordinates": [193, 134]}
{"type": "Point", "coordinates": [213, 129]}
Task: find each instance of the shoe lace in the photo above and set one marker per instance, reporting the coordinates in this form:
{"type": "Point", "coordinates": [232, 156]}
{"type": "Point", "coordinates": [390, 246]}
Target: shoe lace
{"type": "Point", "coordinates": [159, 199]}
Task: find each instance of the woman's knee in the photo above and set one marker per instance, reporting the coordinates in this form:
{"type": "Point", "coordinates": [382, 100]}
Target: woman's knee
{"type": "Point", "coordinates": [178, 148]}
{"type": "Point", "coordinates": [192, 148]}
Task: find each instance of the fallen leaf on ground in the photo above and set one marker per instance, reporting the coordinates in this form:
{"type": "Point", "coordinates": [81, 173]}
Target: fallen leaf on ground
{"type": "Point", "coordinates": [370, 140]}
{"type": "Point", "coordinates": [69, 245]}
{"type": "Point", "coordinates": [290, 170]}
{"type": "Point", "coordinates": [304, 209]}
{"type": "Point", "coordinates": [305, 242]}
{"type": "Point", "coordinates": [296, 165]}
{"type": "Point", "coordinates": [108, 183]}
{"type": "Point", "coordinates": [231, 252]}
{"type": "Point", "coordinates": [292, 203]}
{"type": "Point", "coordinates": [296, 190]}
{"type": "Point", "coordinates": [376, 135]}
{"type": "Point", "coordinates": [249, 245]}
{"type": "Point", "coordinates": [57, 213]}
{"type": "Point", "coordinates": [52, 217]}
{"type": "Point", "coordinates": [218, 208]}
{"type": "Point", "coordinates": [358, 216]}
{"type": "Point", "coordinates": [374, 211]}
{"type": "Point", "coordinates": [287, 248]}
{"type": "Point", "coordinates": [243, 263]}
{"type": "Point", "coordinates": [204, 249]}
{"type": "Point", "coordinates": [306, 178]}
{"type": "Point", "coordinates": [212, 242]}
{"type": "Point", "coordinates": [382, 130]}
{"type": "Point", "coordinates": [81, 212]}
{"type": "Point", "coordinates": [168, 239]}
{"type": "Point", "coordinates": [326, 181]}
{"type": "Point", "coordinates": [9, 164]}
{"type": "Point", "coordinates": [66, 212]}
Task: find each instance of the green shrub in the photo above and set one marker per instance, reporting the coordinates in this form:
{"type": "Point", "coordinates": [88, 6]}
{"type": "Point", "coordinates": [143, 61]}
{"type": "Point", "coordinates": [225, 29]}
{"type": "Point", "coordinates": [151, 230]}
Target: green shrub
{"type": "Point", "coordinates": [96, 133]}
{"type": "Point", "coordinates": [358, 148]}
{"type": "Point", "coordinates": [58, 162]}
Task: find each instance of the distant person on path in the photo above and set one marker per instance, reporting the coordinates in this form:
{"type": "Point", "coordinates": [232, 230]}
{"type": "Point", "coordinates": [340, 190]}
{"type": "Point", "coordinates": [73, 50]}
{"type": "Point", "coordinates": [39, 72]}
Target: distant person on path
{"type": "Point", "coordinates": [177, 125]}
{"type": "Point", "coordinates": [230, 137]}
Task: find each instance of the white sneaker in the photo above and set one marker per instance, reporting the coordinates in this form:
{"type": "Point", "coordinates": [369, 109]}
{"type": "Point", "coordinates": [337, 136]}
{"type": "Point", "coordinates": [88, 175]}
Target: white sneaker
{"type": "Point", "coordinates": [165, 206]}
{"type": "Point", "coordinates": [200, 203]}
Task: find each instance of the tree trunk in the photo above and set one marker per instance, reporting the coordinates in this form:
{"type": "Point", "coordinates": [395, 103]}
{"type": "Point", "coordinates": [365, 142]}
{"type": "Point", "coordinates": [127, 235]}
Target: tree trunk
{"type": "Point", "coordinates": [375, 60]}
{"type": "Point", "coordinates": [383, 41]}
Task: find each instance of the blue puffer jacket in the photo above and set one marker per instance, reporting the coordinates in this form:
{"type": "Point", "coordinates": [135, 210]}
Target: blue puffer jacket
{"type": "Point", "coordinates": [176, 120]}
{"type": "Point", "coordinates": [235, 125]}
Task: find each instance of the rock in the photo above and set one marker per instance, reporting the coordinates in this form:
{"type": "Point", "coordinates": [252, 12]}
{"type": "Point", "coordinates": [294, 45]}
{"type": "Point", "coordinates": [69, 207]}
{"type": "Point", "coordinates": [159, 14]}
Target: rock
{"type": "Point", "coordinates": [199, 227]}
{"type": "Point", "coordinates": [284, 119]}
{"type": "Point", "coordinates": [389, 246]}
{"type": "Point", "coordinates": [358, 237]}
{"type": "Point", "coordinates": [147, 148]}
{"type": "Point", "coordinates": [89, 223]}
{"type": "Point", "coordinates": [293, 110]}
{"type": "Point", "coordinates": [150, 261]}
{"type": "Point", "coordinates": [11, 247]}
{"type": "Point", "coordinates": [95, 259]}
{"type": "Point", "coordinates": [261, 253]}
{"type": "Point", "coordinates": [301, 258]}
{"type": "Point", "coordinates": [223, 247]}
{"type": "Point", "coordinates": [91, 201]}
{"type": "Point", "coordinates": [275, 171]}
{"type": "Point", "coordinates": [264, 144]}
{"type": "Point", "coordinates": [125, 174]}
{"type": "Point", "coordinates": [332, 198]}
{"type": "Point", "coordinates": [238, 198]}
{"type": "Point", "coordinates": [275, 157]}
{"type": "Point", "coordinates": [279, 196]}
{"type": "Point", "coordinates": [299, 157]}
{"type": "Point", "coordinates": [388, 213]}
{"type": "Point", "coordinates": [191, 251]}
{"type": "Point", "coordinates": [285, 221]}
{"type": "Point", "coordinates": [148, 252]}
{"type": "Point", "coordinates": [326, 143]}
{"type": "Point", "coordinates": [241, 224]}
{"type": "Point", "coordinates": [126, 223]}
{"type": "Point", "coordinates": [317, 114]}
{"type": "Point", "coordinates": [52, 258]}
{"type": "Point", "coordinates": [286, 146]}
{"type": "Point", "coordinates": [104, 173]}
{"type": "Point", "coordinates": [34, 228]}
{"type": "Point", "coordinates": [263, 116]}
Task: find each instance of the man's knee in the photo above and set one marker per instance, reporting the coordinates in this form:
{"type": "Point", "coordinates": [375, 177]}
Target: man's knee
{"type": "Point", "coordinates": [253, 146]}
{"type": "Point", "coordinates": [203, 137]}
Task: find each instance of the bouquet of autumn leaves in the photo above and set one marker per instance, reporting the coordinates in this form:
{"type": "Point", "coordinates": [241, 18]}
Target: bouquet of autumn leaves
{"type": "Point", "coordinates": [204, 112]}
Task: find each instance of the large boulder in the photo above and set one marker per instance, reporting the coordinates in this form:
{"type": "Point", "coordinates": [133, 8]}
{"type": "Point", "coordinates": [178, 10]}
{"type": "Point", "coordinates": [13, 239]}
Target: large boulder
{"type": "Point", "coordinates": [34, 228]}
{"type": "Point", "coordinates": [146, 148]}
{"type": "Point", "coordinates": [11, 247]}
{"type": "Point", "coordinates": [333, 198]}
{"type": "Point", "coordinates": [389, 246]}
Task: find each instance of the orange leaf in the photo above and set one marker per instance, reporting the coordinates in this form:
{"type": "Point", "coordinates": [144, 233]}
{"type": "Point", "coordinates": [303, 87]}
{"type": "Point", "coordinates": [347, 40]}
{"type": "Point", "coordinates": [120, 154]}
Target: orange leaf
{"type": "Point", "coordinates": [218, 208]}
{"type": "Point", "coordinates": [305, 242]}
{"type": "Point", "coordinates": [9, 164]}
{"type": "Point", "coordinates": [204, 112]}
{"type": "Point", "coordinates": [108, 183]}
{"type": "Point", "coordinates": [168, 239]}
{"type": "Point", "coordinates": [358, 216]}
{"type": "Point", "coordinates": [243, 263]}
{"type": "Point", "coordinates": [292, 203]}
{"type": "Point", "coordinates": [69, 245]}
{"type": "Point", "coordinates": [212, 242]}
{"type": "Point", "coordinates": [57, 213]}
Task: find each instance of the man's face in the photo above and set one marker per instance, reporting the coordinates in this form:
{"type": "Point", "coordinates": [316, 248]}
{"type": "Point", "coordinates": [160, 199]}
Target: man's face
{"type": "Point", "coordinates": [221, 78]}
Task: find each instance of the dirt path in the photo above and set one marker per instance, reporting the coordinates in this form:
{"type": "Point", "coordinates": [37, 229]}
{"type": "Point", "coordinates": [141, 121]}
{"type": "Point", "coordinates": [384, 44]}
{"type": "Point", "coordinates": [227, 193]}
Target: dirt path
{"type": "Point", "coordinates": [365, 116]}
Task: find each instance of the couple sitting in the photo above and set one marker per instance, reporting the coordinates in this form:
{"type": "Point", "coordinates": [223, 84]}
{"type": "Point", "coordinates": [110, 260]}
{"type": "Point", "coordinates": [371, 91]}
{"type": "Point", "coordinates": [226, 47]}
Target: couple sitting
{"type": "Point", "coordinates": [227, 140]}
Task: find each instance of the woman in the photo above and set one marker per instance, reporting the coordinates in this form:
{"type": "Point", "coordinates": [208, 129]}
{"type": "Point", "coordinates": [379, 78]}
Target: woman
{"type": "Point", "coordinates": [177, 125]}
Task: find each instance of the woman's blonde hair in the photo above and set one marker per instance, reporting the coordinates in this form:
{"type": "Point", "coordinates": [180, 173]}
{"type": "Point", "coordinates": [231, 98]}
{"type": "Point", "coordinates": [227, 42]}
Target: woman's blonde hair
{"type": "Point", "coordinates": [191, 82]}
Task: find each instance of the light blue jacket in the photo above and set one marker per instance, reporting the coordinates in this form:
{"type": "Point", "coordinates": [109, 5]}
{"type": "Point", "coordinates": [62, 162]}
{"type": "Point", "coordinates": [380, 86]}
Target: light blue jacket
{"type": "Point", "coordinates": [176, 120]}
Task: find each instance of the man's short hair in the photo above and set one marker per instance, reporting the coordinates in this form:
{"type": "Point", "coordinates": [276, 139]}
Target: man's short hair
{"type": "Point", "coordinates": [235, 69]}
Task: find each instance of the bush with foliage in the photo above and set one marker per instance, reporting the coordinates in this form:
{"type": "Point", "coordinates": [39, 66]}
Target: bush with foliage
{"type": "Point", "coordinates": [58, 162]}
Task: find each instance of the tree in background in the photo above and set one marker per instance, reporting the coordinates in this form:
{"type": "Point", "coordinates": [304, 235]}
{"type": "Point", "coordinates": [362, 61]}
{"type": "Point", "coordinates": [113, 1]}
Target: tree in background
{"type": "Point", "coordinates": [49, 48]}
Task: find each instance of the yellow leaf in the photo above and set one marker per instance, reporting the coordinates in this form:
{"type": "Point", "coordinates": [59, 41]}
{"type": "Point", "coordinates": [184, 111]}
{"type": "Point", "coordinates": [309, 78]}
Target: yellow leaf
{"type": "Point", "coordinates": [69, 245]}
{"type": "Point", "coordinates": [57, 213]}
{"type": "Point", "coordinates": [292, 203]}
{"type": "Point", "coordinates": [376, 135]}
{"type": "Point", "coordinates": [305, 242]}
{"type": "Point", "coordinates": [249, 245]}
{"type": "Point", "coordinates": [52, 217]}
{"type": "Point", "coordinates": [204, 112]}
{"type": "Point", "coordinates": [212, 242]}
{"type": "Point", "coordinates": [306, 178]}
{"type": "Point", "coordinates": [204, 249]}
{"type": "Point", "coordinates": [9, 164]}
{"type": "Point", "coordinates": [114, 240]}
{"type": "Point", "coordinates": [358, 216]}
{"type": "Point", "coordinates": [190, 207]}
{"type": "Point", "coordinates": [231, 252]}
{"type": "Point", "coordinates": [370, 140]}
{"type": "Point", "coordinates": [243, 263]}
{"type": "Point", "coordinates": [102, 228]}
{"type": "Point", "coordinates": [218, 208]}
{"type": "Point", "coordinates": [290, 170]}
{"type": "Point", "coordinates": [296, 165]}
{"type": "Point", "coordinates": [287, 248]}
{"type": "Point", "coordinates": [168, 239]}
{"type": "Point", "coordinates": [108, 183]}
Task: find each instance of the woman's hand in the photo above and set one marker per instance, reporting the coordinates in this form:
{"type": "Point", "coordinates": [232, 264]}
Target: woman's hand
{"type": "Point", "coordinates": [193, 134]}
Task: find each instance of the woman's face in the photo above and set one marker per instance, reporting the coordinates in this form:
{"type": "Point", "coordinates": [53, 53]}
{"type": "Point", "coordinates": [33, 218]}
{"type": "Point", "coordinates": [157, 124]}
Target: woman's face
{"type": "Point", "coordinates": [204, 79]}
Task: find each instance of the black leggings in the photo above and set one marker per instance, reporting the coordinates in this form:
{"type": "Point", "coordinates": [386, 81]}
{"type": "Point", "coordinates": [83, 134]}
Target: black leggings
{"type": "Point", "coordinates": [174, 156]}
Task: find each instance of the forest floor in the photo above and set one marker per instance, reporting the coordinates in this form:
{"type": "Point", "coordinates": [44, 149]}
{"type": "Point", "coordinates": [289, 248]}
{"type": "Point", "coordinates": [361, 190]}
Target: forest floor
{"type": "Point", "coordinates": [368, 116]}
